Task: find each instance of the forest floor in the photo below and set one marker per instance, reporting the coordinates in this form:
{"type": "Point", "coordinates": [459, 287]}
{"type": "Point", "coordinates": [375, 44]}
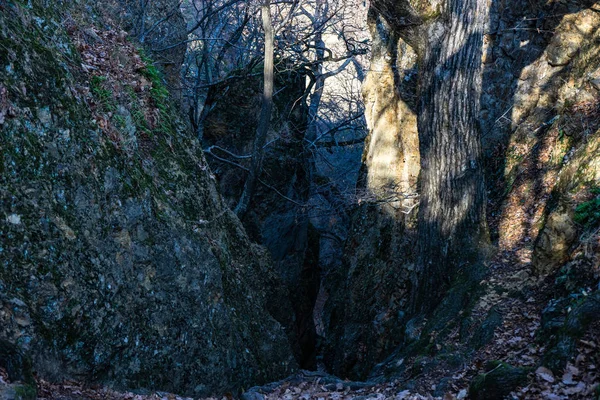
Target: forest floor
{"type": "Point", "coordinates": [513, 342]}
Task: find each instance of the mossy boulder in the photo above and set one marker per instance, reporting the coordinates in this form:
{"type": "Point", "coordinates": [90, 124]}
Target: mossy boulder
{"type": "Point", "coordinates": [497, 382]}
{"type": "Point", "coordinates": [485, 332]}
{"type": "Point", "coordinates": [563, 342]}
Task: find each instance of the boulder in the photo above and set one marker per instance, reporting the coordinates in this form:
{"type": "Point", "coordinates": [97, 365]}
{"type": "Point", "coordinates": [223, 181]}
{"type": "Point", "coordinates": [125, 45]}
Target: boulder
{"type": "Point", "coordinates": [497, 382]}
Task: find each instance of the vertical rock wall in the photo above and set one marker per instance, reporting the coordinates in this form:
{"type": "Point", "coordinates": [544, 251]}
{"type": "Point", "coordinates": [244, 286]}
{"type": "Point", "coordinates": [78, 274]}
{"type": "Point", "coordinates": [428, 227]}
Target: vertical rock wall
{"type": "Point", "coordinates": [538, 121]}
{"type": "Point", "coordinates": [368, 294]}
{"type": "Point", "coordinates": [278, 214]}
{"type": "Point", "coordinates": [119, 260]}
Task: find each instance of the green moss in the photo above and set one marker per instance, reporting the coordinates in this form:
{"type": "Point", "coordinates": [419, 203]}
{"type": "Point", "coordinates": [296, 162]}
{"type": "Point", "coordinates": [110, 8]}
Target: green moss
{"type": "Point", "coordinates": [25, 392]}
{"type": "Point", "coordinates": [425, 9]}
{"type": "Point", "coordinates": [497, 382]}
{"type": "Point", "coordinates": [105, 96]}
{"type": "Point", "coordinates": [139, 119]}
{"type": "Point", "coordinates": [159, 94]}
{"type": "Point", "coordinates": [588, 213]}
{"type": "Point", "coordinates": [431, 14]}
{"type": "Point", "coordinates": [119, 121]}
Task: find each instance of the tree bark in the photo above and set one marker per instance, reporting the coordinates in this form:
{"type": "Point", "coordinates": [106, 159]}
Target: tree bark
{"type": "Point", "coordinates": [265, 114]}
{"type": "Point", "coordinates": [452, 230]}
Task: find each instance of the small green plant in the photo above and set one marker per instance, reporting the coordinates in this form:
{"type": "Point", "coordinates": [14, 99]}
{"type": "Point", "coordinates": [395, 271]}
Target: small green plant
{"type": "Point", "coordinates": [588, 213]}
{"type": "Point", "coordinates": [565, 277]}
{"type": "Point", "coordinates": [105, 96]}
{"type": "Point", "coordinates": [158, 93]}
{"type": "Point", "coordinates": [120, 121]}
{"type": "Point", "coordinates": [137, 114]}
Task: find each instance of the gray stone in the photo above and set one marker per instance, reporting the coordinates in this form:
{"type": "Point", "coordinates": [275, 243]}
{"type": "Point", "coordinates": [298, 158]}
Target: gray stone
{"type": "Point", "coordinates": [252, 396]}
{"type": "Point", "coordinates": [563, 48]}
{"type": "Point", "coordinates": [44, 116]}
{"type": "Point", "coordinates": [105, 241]}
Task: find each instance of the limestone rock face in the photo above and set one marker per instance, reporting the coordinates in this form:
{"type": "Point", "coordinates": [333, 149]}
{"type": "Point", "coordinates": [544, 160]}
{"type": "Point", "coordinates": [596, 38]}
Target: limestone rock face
{"type": "Point", "coordinates": [391, 157]}
{"type": "Point", "coordinates": [119, 260]}
{"type": "Point", "coordinates": [551, 118]}
{"type": "Point", "coordinates": [554, 242]}
{"type": "Point", "coordinates": [560, 232]}
{"type": "Point", "coordinates": [575, 30]}
{"type": "Point", "coordinates": [539, 130]}
{"type": "Point", "coordinates": [563, 48]}
{"type": "Point", "coordinates": [551, 157]}
{"type": "Point", "coordinates": [368, 294]}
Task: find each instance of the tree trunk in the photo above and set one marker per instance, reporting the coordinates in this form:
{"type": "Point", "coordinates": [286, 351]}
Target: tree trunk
{"type": "Point", "coordinates": [265, 114]}
{"type": "Point", "coordinates": [317, 85]}
{"type": "Point", "coordinates": [452, 228]}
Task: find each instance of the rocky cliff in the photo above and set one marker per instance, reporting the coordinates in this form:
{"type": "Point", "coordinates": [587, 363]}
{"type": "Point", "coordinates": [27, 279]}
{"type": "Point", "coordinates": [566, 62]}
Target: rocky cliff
{"type": "Point", "coordinates": [279, 215]}
{"type": "Point", "coordinates": [369, 291]}
{"type": "Point", "coordinates": [119, 260]}
{"type": "Point", "coordinates": [539, 125]}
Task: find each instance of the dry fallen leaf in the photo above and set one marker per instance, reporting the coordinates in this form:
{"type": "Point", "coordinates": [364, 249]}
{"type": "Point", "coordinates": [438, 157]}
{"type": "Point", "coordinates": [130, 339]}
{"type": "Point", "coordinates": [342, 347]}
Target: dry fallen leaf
{"type": "Point", "coordinates": [545, 374]}
{"type": "Point", "coordinates": [567, 378]}
{"type": "Point", "coordinates": [576, 389]}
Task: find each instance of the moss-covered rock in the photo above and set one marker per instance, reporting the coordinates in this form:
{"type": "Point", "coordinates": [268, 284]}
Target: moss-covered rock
{"type": "Point", "coordinates": [563, 337]}
{"type": "Point", "coordinates": [485, 332]}
{"type": "Point", "coordinates": [497, 382]}
{"type": "Point", "coordinates": [16, 364]}
{"type": "Point", "coordinates": [119, 260]}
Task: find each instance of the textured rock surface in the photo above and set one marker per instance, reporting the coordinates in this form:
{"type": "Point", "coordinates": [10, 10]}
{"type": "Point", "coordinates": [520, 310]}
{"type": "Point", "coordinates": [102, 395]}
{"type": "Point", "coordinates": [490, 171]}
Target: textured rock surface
{"type": "Point", "coordinates": [277, 216]}
{"type": "Point", "coordinates": [554, 242]}
{"type": "Point", "coordinates": [560, 132]}
{"type": "Point", "coordinates": [368, 293]}
{"type": "Point", "coordinates": [119, 261]}
{"type": "Point", "coordinates": [497, 383]}
{"type": "Point", "coordinates": [538, 121]}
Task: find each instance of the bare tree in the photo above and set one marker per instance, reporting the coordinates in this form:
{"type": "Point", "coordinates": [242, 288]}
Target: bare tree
{"type": "Point", "coordinates": [226, 43]}
{"type": "Point", "coordinates": [265, 113]}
